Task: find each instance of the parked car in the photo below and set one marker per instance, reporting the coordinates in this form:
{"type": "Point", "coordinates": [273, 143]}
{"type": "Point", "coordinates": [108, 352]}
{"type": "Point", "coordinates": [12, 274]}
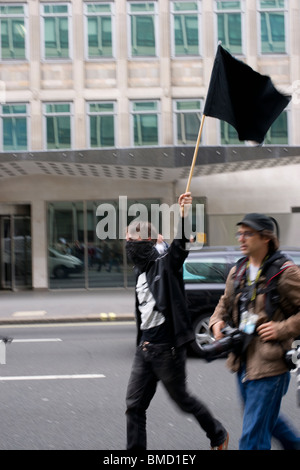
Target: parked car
{"type": "Point", "coordinates": [204, 273]}
{"type": "Point", "coordinates": [61, 265]}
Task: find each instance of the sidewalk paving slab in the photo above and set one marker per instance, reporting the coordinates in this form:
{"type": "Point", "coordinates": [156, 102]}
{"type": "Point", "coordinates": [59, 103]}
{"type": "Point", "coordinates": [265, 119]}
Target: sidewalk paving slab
{"type": "Point", "coordinates": [66, 306]}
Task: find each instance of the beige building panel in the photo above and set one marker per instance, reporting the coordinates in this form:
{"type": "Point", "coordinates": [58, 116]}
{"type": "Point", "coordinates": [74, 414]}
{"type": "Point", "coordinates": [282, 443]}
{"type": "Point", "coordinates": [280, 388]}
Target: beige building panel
{"type": "Point", "coordinates": [100, 75]}
{"type": "Point", "coordinates": [55, 76]}
{"type": "Point", "coordinates": [143, 74]}
{"type": "Point", "coordinates": [277, 67]}
{"type": "Point", "coordinates": [15, 76]}
{"type": "Point", "coordinates": [187, 73]}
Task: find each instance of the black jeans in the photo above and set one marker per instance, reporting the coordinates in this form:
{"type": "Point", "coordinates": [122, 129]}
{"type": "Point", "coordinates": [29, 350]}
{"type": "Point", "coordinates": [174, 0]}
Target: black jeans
{"type": "Point", "coordinates": [161, 362]}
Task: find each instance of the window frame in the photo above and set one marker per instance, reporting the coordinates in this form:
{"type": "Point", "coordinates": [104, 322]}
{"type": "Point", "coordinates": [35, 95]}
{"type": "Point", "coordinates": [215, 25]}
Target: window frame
{"type": "Point", "coordinates": [284, 10]}
{"type": "Point", "coordinates": [47, 114]}
{"type": "Point", "coordinates": [241, 10]}
{"type": "Point", "coordinates": [25, 115]}
{"type": "Point", "coordinates": [88, 116]}
{"type": "Point", "coordinates": [131, 56]}
{"type": "Point", "coordinates": [110, 14]}
{"type": "Point", "coordinates": [173, 13]}
{"type": "Point", "coordinates": [26, 29]}
{"type": "Point", "coordinates": [177, 112]}
{"type": "Point", "coordinates": [157, 113]}
{"type": "Point", "coordinates": [68, 15]}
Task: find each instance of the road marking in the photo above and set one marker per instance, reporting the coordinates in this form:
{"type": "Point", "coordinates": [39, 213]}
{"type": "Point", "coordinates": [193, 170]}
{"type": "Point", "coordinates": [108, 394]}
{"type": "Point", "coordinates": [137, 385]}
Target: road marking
{"type": "Point", "coordinates": [37, 340]}
{"type": "Point", "coordinates": [30, 313]}
{"type": "Point", "coordinates": [53, 377]}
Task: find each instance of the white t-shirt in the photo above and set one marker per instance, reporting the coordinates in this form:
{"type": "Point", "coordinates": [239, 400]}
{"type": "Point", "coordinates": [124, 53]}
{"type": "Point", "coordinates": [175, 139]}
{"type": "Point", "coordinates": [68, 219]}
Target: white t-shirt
{"type": "Point", "coordinates": [253, 270]}
{"type": "Point", "coordinates": [149, 316]}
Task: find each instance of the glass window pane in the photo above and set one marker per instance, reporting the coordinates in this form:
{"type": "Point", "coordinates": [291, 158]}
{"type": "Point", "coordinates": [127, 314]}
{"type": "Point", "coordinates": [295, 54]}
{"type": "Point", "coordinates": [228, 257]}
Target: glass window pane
{"type": "Point", "coordinates": [14, 127]}
{"type": "Point", "coordinates": [145, 130]}
{"type": "Point", "coordinates": [230, 31]}
{"type": "Point", "coordinates": [58, 132]}
{"type": "Point", "coordinates": [59, 9]}
{"type": "Point", "coordinates": [101, 124]}
{"type": "Point", "coordinates": [212, 270]}
{"type": "Point", "coordinates": [14, 134]}
{"type": "Point", "coordinates": [145, 106]}
{"type": "Point", "coordinates": [225, 5]}
{"type": "Point", "coordinates": [278, 132]}
{"type": "Point", "coordinates": [187, 128]}
{"type": "Point", "coordinates": [186, 35]}
{"type": "Point", "coordinates": [98, 8]}
{"type": "Point", "coordinates": [66, 245]}
{"type": "Point", "coordinates": [101, 107]}
{"type": "Point", "coordinates": [56, 38]}
{"type": "Point", "coordinates": [14, 109]}
{"type": "Point", "coordinates": [229, 135]}
{"type": "Point", "coordinates": [13, 33]}
{"type": "Point", "coordinates": [102, 131]}
{"type": "Point", "coordinates": [188, 117]}
{"type": "Point", "coordinates": [185, 6]}
{"type": "Point", "coordinates": [142, 28]}
{"type": "Point", "coordinates": [271, 4]}
{"type": "Point", "coordinates": [56, 31]}
{"type": "Point", "coordinates": [99, 37]}
{"type": "Point", "coordinates": [145, 7]}
{"type": "Point", "coordinates": [272, 32]}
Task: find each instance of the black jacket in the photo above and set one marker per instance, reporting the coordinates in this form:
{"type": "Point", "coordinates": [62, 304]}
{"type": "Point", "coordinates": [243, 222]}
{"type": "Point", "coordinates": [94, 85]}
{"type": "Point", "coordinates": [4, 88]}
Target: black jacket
{"type": "Point", "coordinates": [164, 277]}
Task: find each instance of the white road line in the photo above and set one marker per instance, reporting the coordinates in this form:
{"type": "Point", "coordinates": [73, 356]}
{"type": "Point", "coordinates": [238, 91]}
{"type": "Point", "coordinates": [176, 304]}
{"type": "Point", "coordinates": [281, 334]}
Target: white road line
{"type": "Point", "coordinates": [53, 377]}
{"type": "Point", "coordinates": [30, 313]}
{"type": "Point", "coordinates": [36, 340]}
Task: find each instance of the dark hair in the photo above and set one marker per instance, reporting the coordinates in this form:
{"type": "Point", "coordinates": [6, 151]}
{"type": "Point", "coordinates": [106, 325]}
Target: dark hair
{"type": "Point", "coordinates": [145, 229]}
{"type": "Point", "coordinates": [273, 242]}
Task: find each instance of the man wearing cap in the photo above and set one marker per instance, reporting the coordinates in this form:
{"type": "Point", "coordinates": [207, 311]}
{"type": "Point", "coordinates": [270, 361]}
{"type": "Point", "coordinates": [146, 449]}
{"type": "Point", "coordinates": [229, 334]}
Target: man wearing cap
{"type": "Point", "coordinates": [263, 376]}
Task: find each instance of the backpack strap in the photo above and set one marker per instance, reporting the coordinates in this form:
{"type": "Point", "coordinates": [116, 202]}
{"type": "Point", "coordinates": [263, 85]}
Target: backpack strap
{"type": "Point", "coordinates": [273, 270]}
{"type": "Point", "coordinates": [241, 268]}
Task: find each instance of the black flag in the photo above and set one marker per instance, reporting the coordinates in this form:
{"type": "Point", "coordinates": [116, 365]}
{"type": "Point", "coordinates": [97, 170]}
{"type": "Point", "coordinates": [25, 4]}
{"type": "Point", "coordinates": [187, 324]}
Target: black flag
{"type": "Point", "coordinates": [242, 97]}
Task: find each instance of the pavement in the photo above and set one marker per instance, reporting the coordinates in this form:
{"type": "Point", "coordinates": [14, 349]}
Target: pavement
{"type": "Point", "coordinates": [66, 306]}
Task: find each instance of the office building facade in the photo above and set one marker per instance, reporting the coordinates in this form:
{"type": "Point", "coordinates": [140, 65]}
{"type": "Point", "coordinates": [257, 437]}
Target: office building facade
{"type": "Point", "coordinates": [103, 99]}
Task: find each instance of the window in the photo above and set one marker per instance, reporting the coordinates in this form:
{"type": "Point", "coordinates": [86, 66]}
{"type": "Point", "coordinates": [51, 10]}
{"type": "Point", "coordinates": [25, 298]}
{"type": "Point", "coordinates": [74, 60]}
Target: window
{"type": "Point", "coordinates": [210, 269]}
{"type": "Point", "coordinates": [145, 123]}
{"type": "Point", "coordinates": [229, 24]}
{"type": "Point", "coordinates": [99, 24]}
{"type": "Point", "coordinates": [56, 31]}
{"type": "Point", "coordinates": [77, 258]}
{"type": "Point", "coordinates": [185, 28]}
{"type": "Point", "coordinates": [276, 135]}
{"type": "Point", "coordinates": [229, 135]}
{"type": "Point", "coordinates": [272, 26]}
{"type": "Point", "coordinates": [187, 121]}
{"type": "Point", "coordinates": [58, 125]}
{"type": "Point", "coordinates": [101, 118]}
{"type": "Point", "coordinates": [278, 132]}
{"type": "Point", "coordinates": [14, 127]}
{"type": "Point", "coordinates": [142, 29]}
{"type": "Point", "coordinates": [13, 32]}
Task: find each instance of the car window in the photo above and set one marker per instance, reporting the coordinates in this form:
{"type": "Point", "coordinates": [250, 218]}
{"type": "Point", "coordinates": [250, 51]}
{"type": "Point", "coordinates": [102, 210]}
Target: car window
{"type": "Point", "coordinates": [208, 269]}
{"type": "Point", "coordinates": [295, 257]}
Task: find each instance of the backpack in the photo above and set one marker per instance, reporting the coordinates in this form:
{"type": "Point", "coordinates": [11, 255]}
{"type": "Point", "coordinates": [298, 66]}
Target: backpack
{"type": "Point", "coordinates": [273, 267]}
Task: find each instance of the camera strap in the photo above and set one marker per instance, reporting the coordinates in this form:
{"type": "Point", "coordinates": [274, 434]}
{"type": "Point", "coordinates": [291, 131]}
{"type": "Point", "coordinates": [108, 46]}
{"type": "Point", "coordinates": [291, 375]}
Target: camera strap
{"type": "Point", "coordinates": [271, 268]}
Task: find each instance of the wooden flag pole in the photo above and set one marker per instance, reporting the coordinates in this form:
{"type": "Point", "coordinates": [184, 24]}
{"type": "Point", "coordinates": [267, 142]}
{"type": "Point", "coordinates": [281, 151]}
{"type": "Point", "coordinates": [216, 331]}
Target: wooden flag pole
{"type": "Point", "coordinates": [195, 155]}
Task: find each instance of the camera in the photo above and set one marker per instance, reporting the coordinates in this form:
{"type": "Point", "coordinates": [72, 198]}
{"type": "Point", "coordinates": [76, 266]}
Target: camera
{"type": "Point", "coordinates": [291, 358]}
{"type": "Point", "coordinates": [234, 341]}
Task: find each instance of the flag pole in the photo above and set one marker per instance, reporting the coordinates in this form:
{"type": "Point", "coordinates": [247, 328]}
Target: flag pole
{"type": "Point", "coordinates": [195, 154]}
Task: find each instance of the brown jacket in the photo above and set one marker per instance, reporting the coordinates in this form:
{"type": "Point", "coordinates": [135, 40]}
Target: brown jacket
{"type": "Point", "coordinates": [264, 359]}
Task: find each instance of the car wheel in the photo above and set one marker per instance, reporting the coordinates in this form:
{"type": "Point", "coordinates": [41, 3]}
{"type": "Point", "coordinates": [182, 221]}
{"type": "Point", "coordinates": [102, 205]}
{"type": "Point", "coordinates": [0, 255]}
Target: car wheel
{"type": "Point", "coordinates": [202, 334]}
{"type": "Point", "coordinates": [60, 272]}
